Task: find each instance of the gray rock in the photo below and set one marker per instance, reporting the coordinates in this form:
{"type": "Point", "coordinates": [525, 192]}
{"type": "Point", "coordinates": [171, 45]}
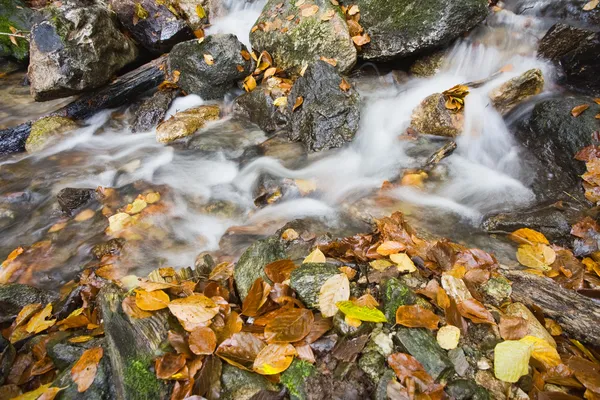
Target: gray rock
{"type": "Point", "coordinates": [307, 280]}
{"type": "Point", "coordinates": [238, 384]}
{"type": "Point", "coordinates": [513, 92]}
{"type": "Point", "coordinates": [328, 117]}
{"type": "Point", "coordinates": [15, 296]}
{"type": "Point", "coordinates": [47, 131]}
{"type": "Point", "coordinates": [251, 264]}
{"type": "Point", "coordinates": [186, 123]}
{"type": "Point", "coordinates": [62, 353]}
{"type": "Point", "coordinates": [76, 48]}
{"type": "Point", "coordinates": [396, 294]}
{"type": "Point", "coordinates": [345, 330]}
{"type": "Point", "coordinates": [463, 389]}
{"type": "Point", "coordinates": [226, 138]}
{"type": "Point", "coordinates": [100, 389]}
{"type": "Point", "coordinates": [399, 28]}
{"type": "Point", "coordinates": [152, 24]}
{"type": "Point", "coordinates": [560, 40]}
{"type": "Point", "coordinates": [257, 106]}
{"type": "Point", "coordinates": [428, 65]}
{"type": "Point", "coordinates": [433, 118]}
{"type": "Point", "coordinates": [71, 199]}
{"type": "Point", "coordinates": [211, 66]}
{"type": "Point", "coordinates": [565, 10]}
{"type": "Point", "coordinates": [296, 43]}
{"type": "Point", "coordinates": [153, 110]}
{"type": "Point", "coordinates": [16, 14]}
{"type": "Point", "coordinates": [212, 9]}
{"type": "Point", "coordinates": [373, 364]}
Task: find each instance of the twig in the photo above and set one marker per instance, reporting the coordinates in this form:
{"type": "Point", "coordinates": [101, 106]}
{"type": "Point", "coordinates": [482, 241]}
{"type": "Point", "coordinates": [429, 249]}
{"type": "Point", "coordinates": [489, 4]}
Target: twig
{"type": "Point", "coordinates": [15, 35]}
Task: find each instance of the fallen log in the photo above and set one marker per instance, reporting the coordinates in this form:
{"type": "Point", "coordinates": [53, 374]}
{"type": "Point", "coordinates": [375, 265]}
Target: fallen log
{"type": "Point", "coordinates": [579, 316]}
{"type": "Point", "coordinates": [121, 91]}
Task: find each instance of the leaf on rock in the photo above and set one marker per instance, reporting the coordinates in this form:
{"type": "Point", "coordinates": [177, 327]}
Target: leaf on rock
{"type": "Point", "coordinates": [289, 326]}
{"type": "Point", "coordinates": [403, 262]}
{"type": "Point", "coordinates": [151, 301]}
{"type": "Point", "coordinates": [407, 367]}
{"type": "Point", "coordinates": [221, 272]}
{"type": "Point", "coordinates": [512, 327]}
{"type": "Point", "coordinates": [328, 15]}
{"type": "Point", "coordinates": [335, 289]}
{"type": "Point", "coordinates": [380, 265]}
{"type": "Point", "coordinates": [209, 59]}
{"type": "Point", "coordinates": [280, 101]}
{"type": "Point", "coordinates": [298, 103]}
{"type": "Point", "coordinates": [256, 298]}
{"type": "Point", "coordinates": [203, 341]}
{"type": "Point", "coordinates": [344, 85]}
{"type": "Point", "coordinates": [365, 314]}
{"type": "Point", "coordinates": [390, 247]}
{"type": "Point", "coordinates": [84, 370]}
{"type": "Point", "coordinates": [537, 256]}
{"type": "Point", "coordinates": [511, 360]}
{"type": "Point", "coordinates": [448, 337]}
{"type": "Point", "coordinates": [240, 350]}
{"type": "Point", "coordinates": [200, 11]}
{"type": "Point", "coordinates": [38, 322]}
{"type": "Point", "coordinates": [414, 316]}
{"type": "Point", "coordinates": [528, 236]}
{"type": "Point", "coordinates": [249, 83]}
{"type": "Point", "coordinates": [310, 11]}
{"type": "Point", "coordinates": [193, 311]}
{"type": "Point", "coordinates": [316, 256]}
{"type": "Point", "coordinates": [168, 365]}
{"type": "Point", "coordinates": [577, 111]}
{"type": "Point", "coordinates": [475, 311]}
{"type": "Point", "coordinates": [132, 310]}
{"type": "Point", "coordinates": [591, 5]}
{"type": "Point", "coordinates": [274, 359]}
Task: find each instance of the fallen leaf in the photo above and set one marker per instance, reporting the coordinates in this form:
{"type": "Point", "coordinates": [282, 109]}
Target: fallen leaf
{"type": "Point", "coordinates": [335, 289]}
{"type": "Point", "coordinates": [316, 256]}
{"type": "Point", "coordinates": [289, 235]}
{"type": "Point", "coordinates": [118, 222]}
{"type": "Point", "coordinates": [528, 236]}
{"type": "Point", "coordinates": [209, 59]}
{"type": "Point", "coordinates": [240, 350]}
{"type": "Point", "coordinates": [448, 337]}
{"type": "Point", "coordinates": [328, 15]}
{"type": "Point", "coordinates": [361, 313]}
{"type": "Point", "coordinates": [280, 271]}
{"type": "Point", "coordinates": [330, 61]}
{"type": "Point", "coordinates": [403, 262]}
{"type": "Point", "coordinates": [151, 301]}
{"type": "Point", "coordinates": [390, 247]}
{"type": "Point", "coordinates": [511, 360]}
{"type": "Point", "coordinates": [200, 11]}
{"type": "Point", "coordinates": [221, 272]}
{"type": "Point", "coordinates": [168, 365]}
{"type": "Point", "coordinates": [361, 40]}
{"type": "Point", "coordinates": [537, 256]}
{"type": "Point", "coordinates": [257, 296]}
{"type": "Point", "coordinates": [245, 54]}
{"type": "Point", "coordinates": [475, 311]}
{"type": "Point", "coordinates": [309, 11]}
{"type": "Point", "coordinates": [348, 271]}
{"type": "Point", "coordinates": [274, 359]}
{"type": "Point", "coordinates": [298, 103]}
{"type": "Point", "coordinates": [193, 311]}
{"type": "Point", "coordinates": [77, 319]}
{"type": "Point", "coordinates": [305, 186]}
{"type": "Point", "coordinates": [591, 5]}
{"type": "Point", "coordinates": [380, 265]}
{"type": "Point", "coordinates": [202, 341]}
{"type": "Point", "coordinates": [136, 207]}
{"type": "Point", "coordinates": [344, 85]}
{"type": "Point", "coordinates": [280, 101]}
{"type": "Point", "coordinates": [353, 10]}
{"type": "Point", "coordinates": [512, 327]}
{"type": "Point", "coordinates": [132, 310]}
{"type": "Point", "coordinates": [85, 215]}
{"type": "Point", "coordinates": [542, 352]}
{"type": "Point", "coordinates": [84, 370]}
{"type": "Point", "coordinates": [38, 322]}
{"type": "Point", "coordinates": [249, 83]}
{"type": "Point", "coordinates": [414, 316]}
{"type": "Point", "coordinates": [407, 367]}
{"type": "Point", "coordinates": [289, 326]}
{"type": "Point", "coordinates": [577, 111]}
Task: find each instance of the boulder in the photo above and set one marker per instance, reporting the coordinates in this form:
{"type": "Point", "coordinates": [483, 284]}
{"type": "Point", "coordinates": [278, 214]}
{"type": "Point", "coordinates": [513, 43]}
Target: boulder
{"type": "Point", "coordinates": [565, 10]}
{"type": "Point", "coordinates": [400, 28]}
{"type": "Point", "coordinates": [238, 384]}
{"type": "Point", "coordinates": [329, 115]}
{"type": "Point", "coordinates": [186, 123]}
{"type": "Point", "coordinates": [71, 199]}
{"type": "Point", "coordinates": [47, 131]}
{"type": "Point", "coordinates": [15, 296]}
{"type": "Point", "coordinates": [513, 92]}
{"type": "Point", "coordinates": [152, 111]}
{"type": "Point", "coordinates": [428, 65]}
{"type": "Point", "coordinates": [294, 43]}
{"type": "Point", "coordinates": [257, 106]}
{"type": "Point", "coordinates": [199, 13]}
{"type": "Point", "coordinates": [561, 39]}
{"type": "Point", "coordinates": [307, 279]}
{"type": "Point", "coordinates": [211, 66]}
{"type": "Point", "coordinates": [152, 24]}
{"type": "Point", "coordinates": [14, 13]}
{"type": "Point", "coordinates": [230, 138]}
{"type": "Point", "coordinates": [433, 118]}
{"type": "Point", "coordinates": [74, 49]}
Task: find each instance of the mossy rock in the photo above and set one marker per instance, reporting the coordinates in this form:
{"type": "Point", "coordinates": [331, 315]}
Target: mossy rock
{"type": "Point", "coordinates": [15, 296]}
{"type": "Point", "coordinates": [396, 294]}
{"type": "Point", "coordinates": [48, 131]}
{"type": "Point", "coordinates": [307, 280]}
{"type": "Point", "coordinates": [432, 117]}
{"type": "Point", "coordinates": [238, 384]}
{"type": "Point", "coordinates": [294, 378]}
{"type": "Point", "coordinates": [15, 14]}
{"type": "Point", "coordinates": [100, 389]}
{"type": "Point", "coordinates": [186, 123]}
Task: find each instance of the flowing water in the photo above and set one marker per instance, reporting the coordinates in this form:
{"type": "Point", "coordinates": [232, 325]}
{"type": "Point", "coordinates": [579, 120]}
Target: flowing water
{"type": "Point", "coordinates": [208, 186]}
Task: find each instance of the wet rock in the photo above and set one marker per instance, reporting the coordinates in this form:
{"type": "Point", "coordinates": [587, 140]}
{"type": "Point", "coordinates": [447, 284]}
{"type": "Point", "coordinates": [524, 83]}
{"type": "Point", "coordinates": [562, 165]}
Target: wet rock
{"type": "Point", "coordinates": [381, 390]}
{"type": "Point", "coordinates": [110, 247]}
{"type": "Point", "coordinates": [395, 294]}
{"type": "Point", "coordinates": [307, 280]}
{"type": "Point", "coordinates": [399, 28]}
{"type": "Point", "coordinates": [432, 117]}
{"type": "Point", "coordinates": [329, 116]}
{"type": "Point", "coordinates": [100, 389]}
{"type": "Point", "coordinates": [373, 364]}
{"type": "Point", "coordinates": [186, 123]}
{"type": "Point", "coordinates": [345, 330]}
{"type": "Point", "coordinates": [295, 44]}
{"type": "Point", "coordinates": [15, 296]}
{"type": "Point", "coordinates": [47, 131]}
{"type": "Point", "coordinates": [212, 9]}
{"type": "Point", "coordinates": [210, 67]}
{"type": "Point", "coordinates": [257, 106]}
{"type": "Point", "coordinates": [459, 360]}
{"type": "Point", "coordinates": [70, 199]}
{"type": "Point", "coordinates": [513, 92]}
{"type": "Point", "coordinates": [497, 389]}
{"type": "Point", "coordinates": [152, 24]}
{"type": "Point", "coordinates": [14, 13]}
{"type": "Point", "coordinates": [64, 353]}
{"type": "Point", "coordinates": [352, 384]}
{"type": "Point", "coordinates": [428, 65]}
{"type": "Point", "coordinates": [462, 389]}
{"type": "Point", "coordinates": [294, 378]}
{"type": "Point", "coordinates": [153, 110]}
{"type": "Point", "coordinates": [252, 263]}
{"type": "Point", "coordinates": [560, 40]}
{"type": "Point", "coordinates": [76, 48]}
{"type": "Point", "coordinates": [565, 10]}
{"type": "Point", "coordinates": [420, 343]}
{"type": "Point", "coordinates": [238, 384]}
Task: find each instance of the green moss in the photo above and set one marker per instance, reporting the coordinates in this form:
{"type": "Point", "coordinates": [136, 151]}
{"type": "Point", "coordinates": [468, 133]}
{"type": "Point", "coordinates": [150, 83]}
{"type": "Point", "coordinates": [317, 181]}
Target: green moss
{"type": "Point", "coordinates": [138, 379]}
{"type": "Point", "coordinates": [13, 13]}
{"type": "Point", "coordinates": [396, 294]}
{"type": "Point", "coordinates": [44, 130]}
{"type": "Point", "coordinates": [295, 377]}
{"type": "Point", "coordinates": [61, 25]}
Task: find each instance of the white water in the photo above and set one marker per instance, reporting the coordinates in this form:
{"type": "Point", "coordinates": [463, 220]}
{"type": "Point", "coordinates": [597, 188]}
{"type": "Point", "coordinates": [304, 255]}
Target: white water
{"type": "Point", "coordinates": [482, 175]}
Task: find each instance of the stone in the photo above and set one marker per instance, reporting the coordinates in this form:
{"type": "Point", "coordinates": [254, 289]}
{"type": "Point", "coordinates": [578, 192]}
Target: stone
{"type": "Point", "coordinates": [329, 116]}
{"type": "Point", "coordinates": [294, 378]}
{"type": "Point", "coordinates": [401, 28]}
{"type": "Point", "coordinates": [307, 279]}
{"type": "Point", "coordinates": [565, 10]}
{"type": "Point", "coordinates": [153, 110]}
{"type": "Point", "coordinates": [238, 384]}
{"type": "Point", "coordinates": [152, 24]}
{"type": "Point", "coordinates": [76, 48]}
{"type": "Point", "coordinates": [297, 43]}
{"type": "Point", "coordinates": [63, 353]}
{"type": "Point", "coordinates": [70, 199]}
{"type": "Point", "coordinates": [463, 389]}
{"type": "Point", "coordinates": [257, 106]}
{"type": "Point", "coordinates": [432, 117]}
{"type": "Point", "coordinates": [251, 264]}
{"type": "Point", "coordinates": [428, 65]}
{"type": "Point", "coordinates": [14, 13]}
{"type": "Point", "coordinates": [373, 364]}
{"type": "Point", "coordinates": [209, 67]}
{"type": "Point", "coordinates": [516, 90]}
{"type": "Point", "coordinates": [212, 9]}
{"type": "Point", "coordinates": [560, 40]}
{"type": "Point", "coordinates": [15, 296]}
{"type": "Point", "coordinates": [186, 123]}
{"type": "Point", "coordinates": [396, 294]}
{"type": "Point", "coordinates": [48, 131]}
{"type": "Point", "coordinates": [343, 329]}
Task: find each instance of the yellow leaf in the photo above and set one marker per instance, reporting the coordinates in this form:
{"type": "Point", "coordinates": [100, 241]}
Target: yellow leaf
{"type": "Point", "coordinates": [328, 15]}
{"type": "Point", "coordinates": [448, 337]}
{"type": "Point", "coordinates": [151, 301]}
{"type": "Point", "coordinates": [537, 256]}
{"type": "Point", "coordinates": [298, 103]}
{"type": "Point", "coordinates": [280, 102]}
{"type": "Point", "coordinates": [591, 5]}
{"type": "Point", "coordinates": [140, 11]}
{"type": "Point", "coordinates": [334, 290]}
{"type": "Point", "coordinates": [152, 198]}
{"type": "Point", "coordinates": [193, 311]}
{"type": "Point", "coordinates": [34, 394]}
{"type": "Point", "coordinates": [403, 262]}
{"type": "Point", "coordinates": [361, 313]}
{"type": "Point", "coordinates": [85, 215]}
{"type": "Point", "coordinates": [38, 322]}
{"type": "Point", "coordinates": [249, 83]}
{"type": "Point", "coordinates": [528, 236]}
{"type": "Point", "coordinates": [200, 11]}
{"type": "Point", "coordinates": [316, 256]}
{"type": "Point", "coordinates": [274, 359]}
{"type": "Point", "coordinates": [209, 59]}
{"type": "Point", "coordinates": [305, 186]}
{"type": "Point", "coordinates": [542, 351]}
{"type": "Point", "coordinates": [511, 360]}
{"type": "Point", "coordinates": [118, 222]}
{"type": "Point", "coordinates": [136, 207]}
{"type": "Point", "coordinates": [380, 265]}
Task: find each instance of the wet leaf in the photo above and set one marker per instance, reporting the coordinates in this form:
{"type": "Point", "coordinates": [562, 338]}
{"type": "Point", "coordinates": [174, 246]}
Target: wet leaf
{"type": "Point", "coordinates": [38, 322]}
{"type": "Point", "coordinates": [513, 328]}
{"type": "Point", "coordinates": [76, 319]}
{"type": "Point", "coordinates": [414, 316]}
{"type": "Point", "coordinates": [316, 256]}
{"type": "Point", "coordinates": [209, 59]}
{"type": "Point", "coordinates": [542, 352]}
{"type": "Point", "coordinates": [151, 301]}
{"type": "Point", "coordinates": [448, 337]}
{"type": "Point", "coordinates": [280, 271]}
{"type": "Point", "coordinates": [475, 311]}
{"type": "Point", "coordinates": [249, 83]}
{"type": "Point", "coordinates": [193, 311]}
{"type": "Point", "coordinates": [577, 111]}
{"type": "Point", "coordinates": [245, 55]}
{"type": "Point", "coordinates": [27, 312]}
{"type": "Point", "coordinates": [365, 314]}
{"type": "Point", "coordinates": [403, 262]}
{"type": "Point", "coordinates": [221, 272]}
{"type": "Point", "coordinates": [132, 310]}
{"type": "Point", "coordinates": [344, 85]}
{"type": "Point", "coordinates": [168, 365]}
{"type": "Point", "coordinates": [528, 236]}
{"type": "Point", "coordinates": [138, 205]}
{"type": "Point", "coordinates": [511, 360]}
{"type": "Point", "coordinates": [84, 370]}
{"type": "Point", "coordinates": [298, 103]}
{"type": "Point", "coordinates": [34, 394]}
{"type": "Point", "coordinates": [274, 359]}
{"type": "Point", "coordinates": [537, 256]}
{"type": "Point", "coordinates": [591, 5]}
{"type": "Point", "coordinates": [202, 341]}
{"type": "Point", "coordinates": [289, 235]}
{"type": "Point", "coordinates": [240, 350]}
{"type": "Point", "coordinates": [85, 215]}
{"type": "Point", "coordinates": [290, 326]}
{"type": "Point", "coordinates": [407, 367]}
{"type": "Point", "coordinates": [256, 298]}
{"type": "Point", "coordinates": [330, 61]}
{"type": "Point", "coordinates": [390, 247]}
{"type": "Point", "coordinates": [335, 289]}
{"type": "Point", "coordinates": [118, 222]}
{"type": "Point", "coordinates": [380, 265]}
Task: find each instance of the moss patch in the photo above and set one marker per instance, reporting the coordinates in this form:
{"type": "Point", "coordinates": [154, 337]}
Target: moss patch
{"type": "Point", "coordinates": [295, 377]}
{"type": "Point", "coordinates": [138, 379]}
{"type": "Point", "coordinates": [19, 18]}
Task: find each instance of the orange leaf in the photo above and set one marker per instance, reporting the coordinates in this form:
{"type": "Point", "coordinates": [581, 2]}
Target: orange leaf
{"type": "Point", "coordinates": [274, 359]}
{"type": "Point", "coordinates": [475, 311]}
{"type": "Point", "coordinates": [193, 311]}
{"type": "Point", "coordinates": [203, 341]}
{"type": "Point", "coordinates": [513, 328]}
{"type": "Point", "coordinates": [132, 310]}
{"type": "Point", "coordinates": [221, 272]}
{"type": "Point", "coordinates": [416, 317]}
{"type": "Point", "coordinates": [290, 326]}
{"type": "Point", "coordinates": [280, 271]}
{"type": "Point", "coordinates": [390, 247]}
{"type": "Point", "coordinates": [168, 365]}
{"type": "Point", "coordinates": [344, 85]}
{"type": "Point", "coordinates": [298, 103]}
{"type": "Point", "coordinates": [38, 322]}
{"type": "Point", "coordinates": [151, 301]}
{"type": "Point", "coordinates": [577, 111]}
{"type": "Point", "coordinates": [84, 370]}
{"type": "Point", "coordinates": [256, 298]}
{"type": "Point", "coordinates": [240, 350]}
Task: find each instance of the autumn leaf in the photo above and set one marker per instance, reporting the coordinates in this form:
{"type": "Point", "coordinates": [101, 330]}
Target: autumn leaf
{"type": "Point", "coordinates": [298, 103]}
{"type": "Point", "coordinates": [414, 316]}
{"type": "Point", "coordinates": [330, 61]}
{"type": "Point", "coordinates": [280, 271]}
{"type": "Point", "coordinates": [542, 352]}
{"type": "Point", "coordinates": [280, 101]}
{"type": "Point", "coordinates": [84, 370]}
{"type": "Point", "coordinates": [84, 215]}
{"type": "Point", "coordinates": [38, 322]}
{"type": "Point", "coordinates": [202, 341]}
{"type": "Point", "coordinates": [249, 83]}
{"type": "Point", "coordinates": [316, 256]}
{"type": "Point", "coordinates": [193, 311]}
{"type": "Point", "coordinates": [76, 319]}
{"type": "Point", "coordinates": [511, 360]}
{"type": "Point", "coordinates": [257, 296]}
{"type": "Point", "coordinates": [353, 10]}
{"type": "Point", "coordinates": [591, 5]}
{"type": "Point", "coordinates": [209, 59]}
{"type": "Point", "coordinates": [240, 350]}
{"type": "Point", "coordinates": [289, 326]}
{"type": "Point", "coordinates": [221, 272]}
{"type": "Point", "coordinates": [528, 236]}
{"type": "Point", "coordinates": [245, 54]}
{"type": "Point", "coordinates": [475, 311]}
{"type": "Point", "coordinates": [512, 327]}
{"type": "Point", "coordinates": [309, 11]}
{"type": "Point", "coordinates": [577, 111]}
{"type": "Point", "coordinates": [168, 365]}
{"type": "Point", "coordinates": [390, 247]}
{"type": "Point", "coordinates": [361, 40]}
{"type": "Point", "coordinates": [407, 367]}
{"type": "Point", "coordinates": [403, 262]}
{"type": "Point", "coordinates": [335, 289]}
{"type": "Point", "coordinates": [274, 359]}
{"type": "Point", "coordinates": [132, 310]}
{"type": "Point", "coordinates": [537, 256]}
{"type": "Point", "coordinates": [365, 314]}
{"type": "Point", "coordinates": [344, 85]}
{"type": "Point", "coordinates": [448, 337]}
{"type": "Point", "coordinates": [151, 301]}
{"type": "Point", "coordinates": [380, 265]}
{"type": "Point", "coordinates": [328, 15]}
{"type": "Point", "coordinates": [200, 11]}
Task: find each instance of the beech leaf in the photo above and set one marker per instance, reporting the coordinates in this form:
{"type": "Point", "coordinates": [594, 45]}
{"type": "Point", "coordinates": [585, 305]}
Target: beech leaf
{"type": "Point", "coordinates": [193, 311]}
{"type": "Point", "coordinates": [203, 341]}
{"type": "Point", "coordinates": [151, 301]}
{"type": "Point", "coordinates": [365, 314]}
{"type": "Point", "coordinates": [335, 289]}
{"type": "Point", "coordinates": [448, 337]}
{"type": "Point", "coordinates": [240, 350]}
{"type": "Point", "coordinates": [316, 256]}
{"type": "Point", "coordinates": [289, 326]}
{"type": "Point", "coordinates": [84, 370]}
{"type": "Point", "coordinates": [511, 360]}
{"type": "Point", "coordinates": [414, 316]}
{"type": "Point", "coordinates": [274, 359]}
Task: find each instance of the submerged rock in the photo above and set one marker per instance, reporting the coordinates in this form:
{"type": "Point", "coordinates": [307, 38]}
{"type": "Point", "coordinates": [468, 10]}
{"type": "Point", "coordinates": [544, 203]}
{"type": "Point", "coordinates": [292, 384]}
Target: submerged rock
{"type": "Point", "coordinates": [433, 118]}
{"type": "Point", "coordinates": [307, 279]}
{"type": "Point", "coordinates": [209, 67]}
{"type": "Point", "coordinates": [46, 131]}
{"type": "Point", "coordinates": [515, 91]}
{"type": "Point", "coordinates": [74, 49]}
{"type": "Point", "coordinates": [400, 28]}
{"type": "Point", "coordinates": [153, 110]}
{"type": "Point", "coordinates": [14, 13]}
{"type": "Point", "coordinates": [297, 42]}
{"type": "Point", "coordinates": [15, 296]}
{"type": "Point", "coordinates": [329, 115]}
{"type": "Point", "coordinates": [71, 199]}
{"type": "Point", "coordinates": [186, 123]}
{"type": "Point", "coordinates": [152, 24]}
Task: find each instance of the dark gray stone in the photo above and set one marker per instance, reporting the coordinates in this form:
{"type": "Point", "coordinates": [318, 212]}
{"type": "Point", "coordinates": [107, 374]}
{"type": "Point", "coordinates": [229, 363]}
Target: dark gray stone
{"type": "Point", "coordinates": [71, 199]}
{"type": "Point", "coordinates": [15, 296]}
{"type": "Point", "coordinates": [257, 106]}
{"type": "Point", "coordinates": [570, 11]}
{"type": "Point", "coordinates": [560, 40]}
{"type": "Point", "coordinates": [238, 384]}
{"type": "Point", "coordinates": [307, 280]}
{"type": "Point", "coordinates": [462, 389]}
{"type": "Point", "coordinates": [153, 110]}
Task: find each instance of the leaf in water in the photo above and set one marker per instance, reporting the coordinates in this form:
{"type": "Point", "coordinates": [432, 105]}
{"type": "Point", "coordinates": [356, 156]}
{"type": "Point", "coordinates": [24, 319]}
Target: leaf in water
{"type": "Point", "coordinates": [38, 322]}
{"type": "Point", "coordinates": [256, 298]}
{"type": "Point", "coordinates": [298, 103]}
{"type": "Point", "coordinates": [84, 370]}
{"type": "Point", "coordinates": [209, 59]}
{"type": "Point", "coordinates": [118, 222]}
{"type": "Point", "coordinates": [475, 311]}
{"type": "Point", "coordinates": [335, 289]}
{"type": "Point", "coordinates": [316, 256]}
{"type": "Point", "coordinates": [414, 316]}
{"type": "Point", "coordinates": [403, 262]}
{"type": "Point", "coordinates": [203, 341]}
{"type": "Point", "coordinates": [221, 272]}
{"type": "Point", "coordinates": [85, 215]}
{"type": "Point", "coordinates": [290, 326]}
{"type": "Point", "coordinates": [249, 83]}
{"type": "Point", "coordinates": [344, 85]}
{"type": "Point", "coordinates": [390, 247]}
{"type": "Point", "coordinates": [151, 301]}
{"type": "Point", "coordinates": [240, 350]}
{"type": "Point", "coordinates": [511, 360]}
{"type": "Point", "coordinates": [513, 328]}
{"type": "Point", "coordinates": [591, 5]}
{"type": "Point", "coordinates": [193, 311]}
{"type": "Point", "coordinates": [537, 256]}
{"type": "Point", "coordinates": [290, 235]}
{"type": "Point", "coordinates": [448, 337]}
{"type": "Point", "coordinates": [528, 236]}
{"type": "Point", "coordinates": [365, 314]}
{"type": "Point", "coordinates": [138, 204]}
{"type": "Point", "coordinates": [274, 359]}
{"type": "Point", "coordinates": [168, 365]}
{"type": "Point", "coordinates": [577, 111]}
{"type": "Point", "coordinates": [542, 352]}
{"type": "Point", "coordinates": [280, 271]}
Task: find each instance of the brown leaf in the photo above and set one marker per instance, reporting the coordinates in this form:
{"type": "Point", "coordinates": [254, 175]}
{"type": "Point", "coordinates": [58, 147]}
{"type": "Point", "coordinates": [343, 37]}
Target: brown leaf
{"type": "Point", "coordinates": [168, 365]}
{"type": "Point", "coordinates": [319, 327]}
{"type": "Point", "coordinates": [416, 317]}
{"type": "Point", "coordinates": [513, 328]}
{"type": "Point", "coordinates": [179, 342]}
{"type": "Point", "coordinates": [290, 326]}
{"type": "Point", "coordinates": [203, 341]}
{"type": "Point", "coordinates": [256, 298]}
{"type": "Point", "coordinates": [577, 111]}
{"type": "Point", "coordinates": [298, 103]}
{"type": "Point", "coordinates": [330, 61]}
{"type": "Point", "coordinates": [221, 272]}
{"type": "Point", "coordinates": [475, 311]}
{"type": "Point", "coordinates": [245, 55]}
{"type": "Point", "coordinates": [84, 370]}
{"type": "Point", "coordinates": [226, 327]}
{"type": "Point", "coordinates": [280, 271]}
{"type": "Point", "coordinates": [310, 11]}
{"type": "Point", "coordinates": [407, 367]}
{"type": "Point", "coordinates": [240, 350]}
{"type": "Point", "coordinates": [361, 40]}
{"type": "Point", "coordinates": [274, 359]}
{"type": "Point", "coordinates": [390, 247]}
{"type": "Point", "coordinates": [344, 85]}
{"type": "Point", "coordinates": [193, 311]}
{"type": "Point", "coordinates": [151, 301]}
